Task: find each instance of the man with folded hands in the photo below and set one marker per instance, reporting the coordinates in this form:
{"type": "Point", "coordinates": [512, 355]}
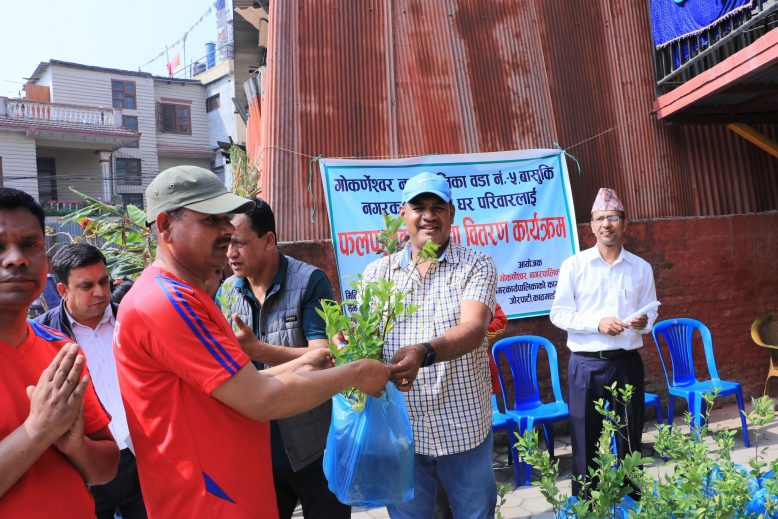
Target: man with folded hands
{"type": "Point", "coordinates": [54, 435]}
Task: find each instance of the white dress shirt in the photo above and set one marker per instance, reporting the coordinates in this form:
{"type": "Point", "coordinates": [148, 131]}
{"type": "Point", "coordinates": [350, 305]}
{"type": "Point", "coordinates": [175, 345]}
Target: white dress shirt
{"type": "Point", "coordinates": [589, 289]}
{"type": "Point", "coordinates": [97, 345]}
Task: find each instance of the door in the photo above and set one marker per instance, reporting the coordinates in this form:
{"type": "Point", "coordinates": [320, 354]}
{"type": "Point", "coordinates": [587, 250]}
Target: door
{"type": "Point", "coordinates": [47, 180]}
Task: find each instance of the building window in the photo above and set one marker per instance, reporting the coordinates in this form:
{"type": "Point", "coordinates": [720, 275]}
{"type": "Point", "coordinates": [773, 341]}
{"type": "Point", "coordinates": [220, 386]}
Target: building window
{"type": "Point", "coordinates": [173, 118]}
{"type": "Point", "coordinates": [123, 94]}
{"type": "Point", "coordinates": [212, 103]}
{"type": "Point", "coordinates": [135, 199]}
{"type": "Point", "coordinates": [131, 123]}
{"type": "Point", "coordinates": [128, 172]}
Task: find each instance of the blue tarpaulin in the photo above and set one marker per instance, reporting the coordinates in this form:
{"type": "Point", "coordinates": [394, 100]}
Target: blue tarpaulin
{"type": "Point", "coordinates": [673, 20]}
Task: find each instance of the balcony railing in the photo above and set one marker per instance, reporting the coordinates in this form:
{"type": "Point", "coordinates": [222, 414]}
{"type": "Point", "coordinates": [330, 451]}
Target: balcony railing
{"type": "Point", "coordinates": [33, 110]}
{"type": "Point", "coordinates": [223, 52]}
{"type": "Point", "coordinates": [61, 208]}
{"type": "Point", "coordinates": [681, 60]}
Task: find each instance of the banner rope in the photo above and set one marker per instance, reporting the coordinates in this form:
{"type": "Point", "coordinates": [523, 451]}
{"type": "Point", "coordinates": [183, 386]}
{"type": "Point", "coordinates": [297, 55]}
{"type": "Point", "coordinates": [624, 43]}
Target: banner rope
{"type": "Point", "coordinates": [317, 158]}
{"type": "Point", "coordinates": [560, 148]}
{"type": "Point", "coordinates": [556, 144]}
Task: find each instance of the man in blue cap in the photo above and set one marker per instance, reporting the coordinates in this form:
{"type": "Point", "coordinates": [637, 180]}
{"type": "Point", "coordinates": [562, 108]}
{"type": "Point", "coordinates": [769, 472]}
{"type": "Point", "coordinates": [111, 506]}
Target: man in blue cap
{"type": "Point", "coordinates": [438, 356]}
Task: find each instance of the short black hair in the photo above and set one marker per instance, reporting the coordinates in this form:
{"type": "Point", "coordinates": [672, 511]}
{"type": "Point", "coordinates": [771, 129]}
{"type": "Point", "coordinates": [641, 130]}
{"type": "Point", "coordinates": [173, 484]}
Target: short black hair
{"type": "Point", "coordinates": [73, 256]}
{"type": "Point", "coordinates": [262, 218]}
{"type": "Point", "coordinates": [11, 198]}
{"type": "Point", "coordinates": [120, 290]}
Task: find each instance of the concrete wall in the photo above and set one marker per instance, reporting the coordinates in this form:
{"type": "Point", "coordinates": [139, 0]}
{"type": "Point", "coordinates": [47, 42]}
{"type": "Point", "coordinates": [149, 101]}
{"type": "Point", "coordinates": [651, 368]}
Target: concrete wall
{"type": "Point", "coordinates": [720, 270]}
{"type": "Point", "coordinates": [169, 162]}
{"type": "Point", "coordinates": [20, 170]}
{"type": "Point", "coordinates": [190, 94]}
{"type": "Point", "coordinates": [75, 168]}
{"type": "Point", "coordinates": [93, 87]}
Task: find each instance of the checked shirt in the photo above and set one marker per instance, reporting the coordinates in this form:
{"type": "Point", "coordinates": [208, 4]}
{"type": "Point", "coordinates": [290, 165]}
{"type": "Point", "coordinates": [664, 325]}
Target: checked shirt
{"type": "Point", "coordinates": [449, 404]}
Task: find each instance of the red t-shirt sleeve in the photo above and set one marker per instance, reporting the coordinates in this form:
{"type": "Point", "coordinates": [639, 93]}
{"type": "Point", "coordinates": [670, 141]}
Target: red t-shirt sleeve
{"type": "Point", "coordinates": [95, 415]}
{"type": "Point", "coordinates": [192, 338]}
{"type": "Point", "coordinates": [499, 322]}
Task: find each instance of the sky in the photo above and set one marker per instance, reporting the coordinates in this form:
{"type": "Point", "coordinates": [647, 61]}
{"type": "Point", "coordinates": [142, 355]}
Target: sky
{"type": "Point", "coordinates": [105, 33]}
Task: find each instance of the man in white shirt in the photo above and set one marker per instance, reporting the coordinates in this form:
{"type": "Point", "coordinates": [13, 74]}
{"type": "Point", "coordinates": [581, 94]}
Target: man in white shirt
{"type": "Point", "coordinates": [597, 289]}
{"type": "Point", "coordinates": [86, 316]}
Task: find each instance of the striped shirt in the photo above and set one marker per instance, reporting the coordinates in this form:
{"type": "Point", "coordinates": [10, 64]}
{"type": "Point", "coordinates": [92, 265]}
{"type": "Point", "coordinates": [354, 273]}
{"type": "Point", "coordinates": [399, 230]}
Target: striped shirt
{"type": "Point", "coordinates": [449, 403]}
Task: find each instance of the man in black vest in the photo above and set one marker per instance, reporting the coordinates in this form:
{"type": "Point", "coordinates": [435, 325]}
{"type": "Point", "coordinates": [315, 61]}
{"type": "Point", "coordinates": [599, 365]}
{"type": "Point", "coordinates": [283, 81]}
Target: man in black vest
{"type": "Point", "coordinates": [276, 296]}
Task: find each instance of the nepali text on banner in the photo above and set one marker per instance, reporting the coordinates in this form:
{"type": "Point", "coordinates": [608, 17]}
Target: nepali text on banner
{"type": "Point", "coordinates": [515, 206]}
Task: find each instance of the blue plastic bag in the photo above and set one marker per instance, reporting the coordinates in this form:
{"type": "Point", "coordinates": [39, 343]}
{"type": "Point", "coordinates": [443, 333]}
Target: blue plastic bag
{"type": "Point", "coordinates": [368, 460]}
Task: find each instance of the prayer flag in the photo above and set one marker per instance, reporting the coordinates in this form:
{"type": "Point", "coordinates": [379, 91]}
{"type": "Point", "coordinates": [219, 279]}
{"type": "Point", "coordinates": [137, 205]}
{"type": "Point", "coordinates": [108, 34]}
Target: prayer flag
{"type": "Point", "coordinates": [173, 64]}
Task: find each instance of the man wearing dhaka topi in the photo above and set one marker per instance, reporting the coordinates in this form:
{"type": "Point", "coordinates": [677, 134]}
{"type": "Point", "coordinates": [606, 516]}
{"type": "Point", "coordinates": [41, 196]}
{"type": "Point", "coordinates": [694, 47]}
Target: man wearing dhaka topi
{"type": "Point", "coordinates": [598, 288]}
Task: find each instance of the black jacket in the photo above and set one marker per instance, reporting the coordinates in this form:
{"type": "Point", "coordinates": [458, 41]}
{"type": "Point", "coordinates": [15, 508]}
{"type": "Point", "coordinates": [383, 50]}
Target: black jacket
{"type": "Point", "coordinates": [57, 319]}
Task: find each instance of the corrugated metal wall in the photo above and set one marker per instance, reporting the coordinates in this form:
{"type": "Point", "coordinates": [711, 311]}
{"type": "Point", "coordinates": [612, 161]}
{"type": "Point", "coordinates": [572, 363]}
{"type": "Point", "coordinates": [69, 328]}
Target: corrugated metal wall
{"type": "Point", "coordinates": [389, 78]}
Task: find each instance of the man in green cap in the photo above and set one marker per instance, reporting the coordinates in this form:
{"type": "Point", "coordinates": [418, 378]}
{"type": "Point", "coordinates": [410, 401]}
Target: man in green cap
{"type": "Point", "coordinates": [197, 408]}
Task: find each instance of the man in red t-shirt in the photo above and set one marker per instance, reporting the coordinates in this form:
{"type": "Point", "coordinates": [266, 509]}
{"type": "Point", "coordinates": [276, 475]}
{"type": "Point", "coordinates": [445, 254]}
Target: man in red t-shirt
{"type": "Point", "coordinates": [197, 408]}
{"type": "Point", "coordinates": [54, 437]}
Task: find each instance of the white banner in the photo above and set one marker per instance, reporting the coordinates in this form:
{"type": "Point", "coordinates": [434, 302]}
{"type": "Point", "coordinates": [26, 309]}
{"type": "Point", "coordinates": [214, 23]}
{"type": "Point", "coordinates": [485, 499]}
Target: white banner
{"type": "Point", "coordinates": [515, 206]}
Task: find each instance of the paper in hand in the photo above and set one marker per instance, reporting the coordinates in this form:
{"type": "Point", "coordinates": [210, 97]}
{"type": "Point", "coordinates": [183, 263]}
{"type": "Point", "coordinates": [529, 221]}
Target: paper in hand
{"type": "Point", "coordinates": [641, 311]}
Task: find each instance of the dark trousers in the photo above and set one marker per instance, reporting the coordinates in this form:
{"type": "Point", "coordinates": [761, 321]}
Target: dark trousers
{"type": "Point", "coordinates": [442, 506]}
{"type": "Point", "coordinates": [587, 378]}
{"type": "Point", "coordinates": [121, 493]}
{"type": "Point", "coordinates": [308, 486]}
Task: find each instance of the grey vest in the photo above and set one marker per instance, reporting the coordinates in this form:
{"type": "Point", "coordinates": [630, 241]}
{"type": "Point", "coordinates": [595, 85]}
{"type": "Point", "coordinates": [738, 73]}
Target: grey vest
{"type": "Point", "coordinates": [280, 323]}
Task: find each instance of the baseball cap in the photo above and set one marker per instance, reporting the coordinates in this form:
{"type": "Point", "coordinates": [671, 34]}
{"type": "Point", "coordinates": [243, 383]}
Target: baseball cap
{"type": "Point", "coordinates": [426, 182]}
{"type": "Point", "coordinates": [194, 188]}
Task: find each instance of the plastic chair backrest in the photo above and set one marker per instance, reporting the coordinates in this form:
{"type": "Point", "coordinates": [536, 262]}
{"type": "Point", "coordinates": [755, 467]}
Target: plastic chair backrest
{"type": "Point", "coordinates": [764, 330]}
{"type": "Point", "coordinates": [678, 335]}
{"type": "Point", "coordinates": [521, 353]}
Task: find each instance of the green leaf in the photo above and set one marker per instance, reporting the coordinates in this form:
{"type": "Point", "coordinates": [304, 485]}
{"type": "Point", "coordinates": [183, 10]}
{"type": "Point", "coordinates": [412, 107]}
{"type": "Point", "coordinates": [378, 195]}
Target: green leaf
{"type": "Point", "coordinates": [137, 216]}
{"type": "Point", "coordinates": [97, 203]}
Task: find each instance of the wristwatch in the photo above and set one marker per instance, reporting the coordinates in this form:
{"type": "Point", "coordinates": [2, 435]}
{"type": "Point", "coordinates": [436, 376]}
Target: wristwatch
{"type": "Point", "coordinates": [429, 352]}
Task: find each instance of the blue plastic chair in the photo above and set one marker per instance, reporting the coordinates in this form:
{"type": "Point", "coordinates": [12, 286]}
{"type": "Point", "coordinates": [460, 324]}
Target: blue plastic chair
{"type": "Point", "coordinates": [677, 335]}
{"type": "Point", "coordinates": [503, 422]}
{"type": "Point", "coordinates": [653, 400]}
{"type": "Point", "coordinates": [521, 353]}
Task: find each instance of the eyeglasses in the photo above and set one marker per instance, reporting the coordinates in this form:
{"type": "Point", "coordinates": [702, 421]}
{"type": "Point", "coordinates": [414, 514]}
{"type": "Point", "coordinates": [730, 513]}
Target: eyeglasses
{"type": "Point", "coordinates": [614, 218]}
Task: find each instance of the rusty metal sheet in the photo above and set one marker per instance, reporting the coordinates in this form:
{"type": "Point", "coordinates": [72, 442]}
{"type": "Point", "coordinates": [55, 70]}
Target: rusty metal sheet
{"type": "Point", "coordinates": [392, 78]}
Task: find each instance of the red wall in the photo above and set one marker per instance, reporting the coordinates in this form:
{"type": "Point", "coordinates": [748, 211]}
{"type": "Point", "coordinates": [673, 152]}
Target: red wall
{"type": "Point", "coordinates": [720, 270]}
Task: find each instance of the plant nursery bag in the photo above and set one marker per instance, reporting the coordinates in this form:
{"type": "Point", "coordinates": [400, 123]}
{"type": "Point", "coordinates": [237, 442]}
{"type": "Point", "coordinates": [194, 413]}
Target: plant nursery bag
{"type": "Point", "coordinates": [368, 460]}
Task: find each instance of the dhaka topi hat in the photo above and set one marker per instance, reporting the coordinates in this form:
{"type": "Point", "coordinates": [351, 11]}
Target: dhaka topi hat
{"type": "Point", "coordinates": [607, 200]}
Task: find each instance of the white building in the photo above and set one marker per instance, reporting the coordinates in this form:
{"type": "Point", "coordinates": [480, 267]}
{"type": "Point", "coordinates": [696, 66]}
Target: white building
{"type": "Point", "coordinates": [103, 131]}
{"type": "Point", "coordinates": [237, 62]}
